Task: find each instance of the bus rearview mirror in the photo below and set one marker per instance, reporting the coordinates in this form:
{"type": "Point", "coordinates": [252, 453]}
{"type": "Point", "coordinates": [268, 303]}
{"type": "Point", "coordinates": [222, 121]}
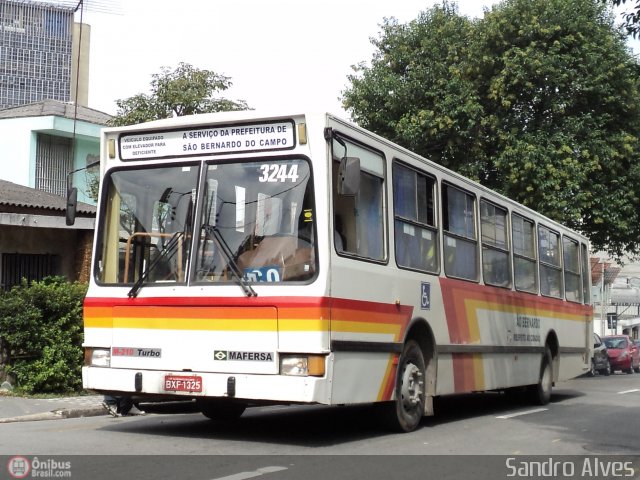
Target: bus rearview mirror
{"type": "Point", "coordinates": [349, 176]}
{"type": "Point", "coordinates": [72, 202]}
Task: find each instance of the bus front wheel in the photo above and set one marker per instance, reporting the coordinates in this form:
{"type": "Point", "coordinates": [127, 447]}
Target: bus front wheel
{"type": "Point", "coordinates": [405, 413]}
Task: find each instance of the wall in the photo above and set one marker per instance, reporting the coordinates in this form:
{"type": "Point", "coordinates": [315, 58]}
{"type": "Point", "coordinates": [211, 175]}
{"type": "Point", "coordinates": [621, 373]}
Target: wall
{"type": "Point", "coordinates": [28, 240]}
{"type": "Point", "coordinates": [17, 150]}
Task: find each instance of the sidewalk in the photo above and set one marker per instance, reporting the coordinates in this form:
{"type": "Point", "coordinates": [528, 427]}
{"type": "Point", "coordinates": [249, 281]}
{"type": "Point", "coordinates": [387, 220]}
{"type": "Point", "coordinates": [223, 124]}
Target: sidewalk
{"type": "Point", "coordinates": [21, 409]}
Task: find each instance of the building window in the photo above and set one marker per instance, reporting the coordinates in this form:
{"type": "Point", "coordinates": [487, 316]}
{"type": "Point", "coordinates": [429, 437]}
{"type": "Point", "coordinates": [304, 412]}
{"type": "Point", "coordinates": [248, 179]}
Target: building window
{"type": "Point", "coordinates": [53, 162]}
{"type": "Point", "coordinates": [32, 267]}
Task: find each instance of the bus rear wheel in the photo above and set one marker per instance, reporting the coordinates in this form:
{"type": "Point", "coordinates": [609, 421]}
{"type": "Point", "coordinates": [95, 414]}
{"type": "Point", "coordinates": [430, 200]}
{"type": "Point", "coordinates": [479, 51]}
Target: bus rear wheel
{"type": "Point", "coordinates": [221, 411]}
{"type": "Point", "coordinates": [541, 393]}
{"type": "Point", "coordinates": [405, 413]}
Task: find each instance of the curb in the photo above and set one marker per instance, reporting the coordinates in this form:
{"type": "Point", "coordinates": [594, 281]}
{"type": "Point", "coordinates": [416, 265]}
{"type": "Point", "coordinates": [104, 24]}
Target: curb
{"type": "Point", "coordinates": [96, 411]}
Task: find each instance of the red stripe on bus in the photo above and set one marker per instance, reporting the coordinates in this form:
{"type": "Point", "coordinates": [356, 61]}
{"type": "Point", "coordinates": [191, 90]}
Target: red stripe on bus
{"type": "Point", "coordinates": [296, 308]}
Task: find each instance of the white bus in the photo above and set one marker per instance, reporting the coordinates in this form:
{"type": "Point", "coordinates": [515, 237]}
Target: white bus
{"type": "Point", "coordinates": [242, 260]}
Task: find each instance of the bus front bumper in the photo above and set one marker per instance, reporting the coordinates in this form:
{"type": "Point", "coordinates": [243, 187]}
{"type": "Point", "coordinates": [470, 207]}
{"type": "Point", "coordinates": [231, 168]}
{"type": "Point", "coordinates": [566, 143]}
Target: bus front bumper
{"type": "Point", "coordinates": [271, 388]}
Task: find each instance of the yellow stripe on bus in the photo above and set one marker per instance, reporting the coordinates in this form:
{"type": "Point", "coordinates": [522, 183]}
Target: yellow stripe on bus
{"type": "Point", "coordinates": [226, 324]}
{"type": "Point", "coordinates": [245, 324]}
{"type": "Point", "coordinates": [478, 371]}
{"type": "Point", "coordinates": [360, 327]}
{"type": "Point", "coordinates": [475, 305]}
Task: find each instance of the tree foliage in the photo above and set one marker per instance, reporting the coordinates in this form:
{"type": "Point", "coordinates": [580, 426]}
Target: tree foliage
{"type": "Point", "coordinates": [184, 91]}
{"type": "Point", "coordinates": [537, 100]}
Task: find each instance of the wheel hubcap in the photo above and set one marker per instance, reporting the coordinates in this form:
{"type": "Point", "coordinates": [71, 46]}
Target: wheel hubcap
{"type": "Point", "coordinates": [412, 387]}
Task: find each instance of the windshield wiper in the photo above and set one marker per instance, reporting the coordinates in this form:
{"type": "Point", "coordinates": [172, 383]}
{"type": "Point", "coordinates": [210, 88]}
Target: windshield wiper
{"type": "Point", "coordinates": [214, 233]}
{"type": "Point", "coordinates": [166, 254]}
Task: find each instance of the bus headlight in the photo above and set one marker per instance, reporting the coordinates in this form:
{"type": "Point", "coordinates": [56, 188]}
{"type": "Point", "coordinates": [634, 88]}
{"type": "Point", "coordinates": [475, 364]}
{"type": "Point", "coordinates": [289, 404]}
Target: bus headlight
{"type": "Point", "coordinates": [97, 357]}
{"type": "Point", "coordinates": [302, 365]}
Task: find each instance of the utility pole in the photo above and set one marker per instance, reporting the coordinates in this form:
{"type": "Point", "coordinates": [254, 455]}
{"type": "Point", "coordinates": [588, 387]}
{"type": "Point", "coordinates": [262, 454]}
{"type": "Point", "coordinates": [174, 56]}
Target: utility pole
{"type": "Point", "coordinates": [602, 312]}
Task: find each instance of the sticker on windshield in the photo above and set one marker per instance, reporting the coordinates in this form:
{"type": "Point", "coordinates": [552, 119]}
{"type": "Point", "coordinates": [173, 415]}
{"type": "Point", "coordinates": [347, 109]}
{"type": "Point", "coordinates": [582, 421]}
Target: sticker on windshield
{"type": "Point", "coordinates": [270, 273]}
{"type": "Point", "coordinates": [275, 173]}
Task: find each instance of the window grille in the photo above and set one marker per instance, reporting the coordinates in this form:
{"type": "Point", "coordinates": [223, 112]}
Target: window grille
{"type": "Point", "coordinates": [33, 267]}
{"type": "Point", "coordinates": [53, 162]}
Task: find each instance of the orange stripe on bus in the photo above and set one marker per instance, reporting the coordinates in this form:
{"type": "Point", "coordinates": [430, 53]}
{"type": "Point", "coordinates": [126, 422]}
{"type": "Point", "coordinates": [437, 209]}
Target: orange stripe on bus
{"type": "Point", "coordinates": [468, 372]}
{"type": "Point", "coordinates": [389, 380]}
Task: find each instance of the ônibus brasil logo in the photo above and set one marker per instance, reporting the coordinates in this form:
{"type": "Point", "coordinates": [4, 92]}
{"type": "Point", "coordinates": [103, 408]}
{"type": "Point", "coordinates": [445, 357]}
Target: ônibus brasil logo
{"type": "Point", "coordinates": [19, 467]}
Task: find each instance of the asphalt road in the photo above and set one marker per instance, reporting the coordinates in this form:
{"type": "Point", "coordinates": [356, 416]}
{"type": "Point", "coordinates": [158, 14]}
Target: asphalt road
{"type": "Point", "coordinates": [587, 416]}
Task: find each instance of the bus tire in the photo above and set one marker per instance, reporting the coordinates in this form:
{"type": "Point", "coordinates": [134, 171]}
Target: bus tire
{"type": "Point", "coordinates": [541, 392]}
{"type": "Point", "coordinates": [221, 411]}
{"type": "Point", "coordinates": [405, 413]}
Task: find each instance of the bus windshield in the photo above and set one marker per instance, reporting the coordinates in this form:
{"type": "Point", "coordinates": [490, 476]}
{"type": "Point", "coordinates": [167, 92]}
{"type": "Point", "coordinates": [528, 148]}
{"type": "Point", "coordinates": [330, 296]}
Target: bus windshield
{"type": "Point", "coordinates": [255, 224]}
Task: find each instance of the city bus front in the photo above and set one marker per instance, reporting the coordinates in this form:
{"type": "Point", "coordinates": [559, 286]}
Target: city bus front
{"type": "Point", "coordinates": [206, 276]}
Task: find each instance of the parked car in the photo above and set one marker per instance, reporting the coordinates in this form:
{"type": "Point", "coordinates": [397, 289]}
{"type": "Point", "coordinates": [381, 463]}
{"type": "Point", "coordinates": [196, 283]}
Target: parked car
{"type": "Point", "coordinates": [599, 357]}
{"type": "Point", "coordinates": [623, 353]}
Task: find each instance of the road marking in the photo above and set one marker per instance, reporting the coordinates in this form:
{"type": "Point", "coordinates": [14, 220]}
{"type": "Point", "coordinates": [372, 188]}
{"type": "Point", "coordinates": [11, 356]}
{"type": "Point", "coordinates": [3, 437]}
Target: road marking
{"type": "Point", "coordinates": [256, 473]}
{"type": "Point", "coordinates": [528, 412]}
{"type": "Point", "coordinates": [629, 391]}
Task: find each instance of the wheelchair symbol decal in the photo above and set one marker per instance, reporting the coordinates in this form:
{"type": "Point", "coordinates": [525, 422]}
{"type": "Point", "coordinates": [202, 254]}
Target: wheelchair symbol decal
{"type": "Point", "coordinates": [425, 296]}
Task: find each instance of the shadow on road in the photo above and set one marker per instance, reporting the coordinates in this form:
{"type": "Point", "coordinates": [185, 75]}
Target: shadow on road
{"type": "Point", "coordinates": [313, 426]}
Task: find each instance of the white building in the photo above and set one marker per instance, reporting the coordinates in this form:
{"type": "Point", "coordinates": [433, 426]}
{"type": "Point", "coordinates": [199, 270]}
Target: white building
{"type": "Point", "coordinates": [617, 301]}
{"type": "Point", "coordinates": [38, 149]}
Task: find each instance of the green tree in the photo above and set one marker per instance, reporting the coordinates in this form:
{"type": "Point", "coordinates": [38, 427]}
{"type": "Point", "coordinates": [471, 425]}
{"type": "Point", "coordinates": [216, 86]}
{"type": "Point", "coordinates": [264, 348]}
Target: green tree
{"type": "Point", "coordinates": [537, 100]}
{"type": "Point", "coordinates": [184, 91]}
{"type": "Point", "coordinates": [416, 91]}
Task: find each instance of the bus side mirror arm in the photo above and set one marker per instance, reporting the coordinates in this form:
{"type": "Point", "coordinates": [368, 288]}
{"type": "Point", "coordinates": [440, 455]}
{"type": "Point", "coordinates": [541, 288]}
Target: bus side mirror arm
{"type": "Point", "coordinates": [72, 194]}
{"type": "Point", "coordinates": [349, 169]}
{"type": "Point", "coordinates": [72, 203]}
{"type": "Point", "coordinates": [349, 176]}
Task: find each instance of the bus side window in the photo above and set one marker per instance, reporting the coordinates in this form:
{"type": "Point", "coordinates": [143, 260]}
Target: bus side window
{"type": "Point", "coordinates": [571, 257]}
{"type": "Point", "coordinates": [359, 223]}
{"type": "Point", "coordinates": [550, 265]}
{"type": "Point", "coordinates": [524, 254]}
{"type": "Point", "coordinates": [344, 207]}
{"type": "Point", "coordinates": [495, 248]}
{"type": "Point", "coordinates": [415, 235]}
{"type": "Point", "coordinates": [459, 226]}
{"type": "Point", "coordinates": [586, 274]}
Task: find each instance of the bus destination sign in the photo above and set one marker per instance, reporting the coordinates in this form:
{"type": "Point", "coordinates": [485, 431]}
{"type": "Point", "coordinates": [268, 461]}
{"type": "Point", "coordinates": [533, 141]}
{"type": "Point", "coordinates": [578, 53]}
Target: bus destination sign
{"type": "Point", "coordinates": [207, 141]}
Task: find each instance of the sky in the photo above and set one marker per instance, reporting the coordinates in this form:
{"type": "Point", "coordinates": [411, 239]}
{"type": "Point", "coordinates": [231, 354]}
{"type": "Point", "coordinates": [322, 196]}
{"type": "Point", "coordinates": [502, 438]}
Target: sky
{"type": "Point", "coordinates": [281, 55]}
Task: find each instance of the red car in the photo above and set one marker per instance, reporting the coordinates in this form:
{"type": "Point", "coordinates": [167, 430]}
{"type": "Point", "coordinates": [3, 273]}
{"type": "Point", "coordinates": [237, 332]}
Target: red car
{"type": "Point", "coordinates": [623, 353]}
